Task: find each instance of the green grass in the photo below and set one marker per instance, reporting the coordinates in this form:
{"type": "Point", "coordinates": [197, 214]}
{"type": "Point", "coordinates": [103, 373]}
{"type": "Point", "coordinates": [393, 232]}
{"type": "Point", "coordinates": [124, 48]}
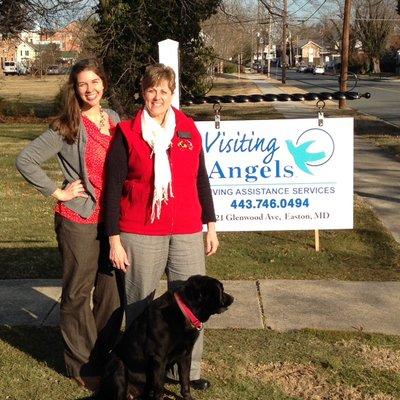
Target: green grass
{"type": "Point", "coordinates": [27, 238]}
{"type": "Point", "coordinates": [269, 365]}
{"type": "Point", "coordinates": [28, 247]}
{"type": "Point", "coordinates": [28, 96]}
{"type": "Point", "coordinates": [390, 143]}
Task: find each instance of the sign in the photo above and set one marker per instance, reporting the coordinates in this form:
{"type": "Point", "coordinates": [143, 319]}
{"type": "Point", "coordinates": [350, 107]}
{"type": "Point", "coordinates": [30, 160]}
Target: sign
{"type": "Point", "coordinates": [280, 174]}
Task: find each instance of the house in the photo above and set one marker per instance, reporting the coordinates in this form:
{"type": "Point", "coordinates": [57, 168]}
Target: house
{"type": "Point", "coordinates": [66, 42]}
{"type": "Point", "coordinates": [31, 37]}
{"type": "Point", "coordinates": [309, 52]}
{"type": "Point", "coordinates": [68, 38]}
{"type": "Point", "coordinates": [8, 49]}
{"type": "Point", "coordinates": [25, 54]}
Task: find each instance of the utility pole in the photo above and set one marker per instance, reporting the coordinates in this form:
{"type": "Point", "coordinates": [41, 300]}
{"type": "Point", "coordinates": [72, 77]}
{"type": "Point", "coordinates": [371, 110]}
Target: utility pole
{"type": "Point", "coordinates": [269, 45]}
{"type": "Point", "coordinates": [344, 65]}
{"type": "Point", "coordinates": [260, 22]}
{"type": "Point", "coordinates": [284, 28]}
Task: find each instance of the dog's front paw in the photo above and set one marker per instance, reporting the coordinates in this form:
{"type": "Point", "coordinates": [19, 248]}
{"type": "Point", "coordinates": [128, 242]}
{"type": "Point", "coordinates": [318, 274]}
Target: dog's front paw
{"type": "Point", "coordinates": [151, 395]}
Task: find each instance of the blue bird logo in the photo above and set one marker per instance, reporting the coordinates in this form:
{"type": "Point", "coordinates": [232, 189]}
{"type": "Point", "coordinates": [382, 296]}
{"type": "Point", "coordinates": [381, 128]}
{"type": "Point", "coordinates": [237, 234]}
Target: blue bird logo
{"type": "Point", "coordinates": [303, 155]}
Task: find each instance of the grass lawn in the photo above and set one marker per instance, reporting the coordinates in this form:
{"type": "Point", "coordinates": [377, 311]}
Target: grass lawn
{"type": "Point", "coordinates": [269, 366]}
{"type": "Point", "coordinates": [31, 89]}
{"type": "Point", "coordinates": [28, 95]}
{"type": "Point", "coordinates": [242, 364]}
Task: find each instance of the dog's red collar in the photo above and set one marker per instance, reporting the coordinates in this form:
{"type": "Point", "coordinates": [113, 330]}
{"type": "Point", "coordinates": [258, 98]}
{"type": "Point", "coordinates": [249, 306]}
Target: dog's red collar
{"type": "Point", "coordinates": [187, 312]}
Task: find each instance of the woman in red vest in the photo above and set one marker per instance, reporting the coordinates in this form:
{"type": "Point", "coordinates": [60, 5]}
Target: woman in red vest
{"type": "Point", "coordinates": [158, 197]}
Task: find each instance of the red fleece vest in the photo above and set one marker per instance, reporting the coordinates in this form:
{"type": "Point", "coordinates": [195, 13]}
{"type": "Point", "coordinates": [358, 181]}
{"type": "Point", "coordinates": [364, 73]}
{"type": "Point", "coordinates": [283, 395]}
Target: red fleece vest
{"type": "Point", "coordinates": [182, 213]}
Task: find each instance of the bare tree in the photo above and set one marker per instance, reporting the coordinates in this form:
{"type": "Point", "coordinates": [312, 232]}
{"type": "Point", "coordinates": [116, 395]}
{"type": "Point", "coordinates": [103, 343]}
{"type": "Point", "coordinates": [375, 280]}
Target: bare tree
{"type": "Point", "coordinates": [374, 24]}
{"type": "Point", "coordinates": [231, 30]}
{"type": "Point", "coordinates": [17, 15]}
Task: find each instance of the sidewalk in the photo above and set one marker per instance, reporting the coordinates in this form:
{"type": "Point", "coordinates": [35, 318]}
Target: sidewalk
{"type": "Point", "coordinates": [274, 304]}
{"type": "Point", "coordinates": [281, 305]}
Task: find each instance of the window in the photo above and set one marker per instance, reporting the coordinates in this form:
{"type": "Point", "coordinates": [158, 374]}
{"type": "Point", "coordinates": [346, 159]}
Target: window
{"type": "Point", "coordinates": [27, 52]}
{"type": "Point", "coordinates": [21, 52]}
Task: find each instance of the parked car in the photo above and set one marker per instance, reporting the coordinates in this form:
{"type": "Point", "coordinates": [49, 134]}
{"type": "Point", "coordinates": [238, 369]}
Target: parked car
{"type": "Point", "coordinates": [53, 70]}
{"type": "Point", "coordinates": [14, 68]}
{"type": "Point", "coordinates": [301, 68]}
{"type": "Point", "coordinates": [65, 70]}
{"type": "Point", "coordinates": [319, 69]}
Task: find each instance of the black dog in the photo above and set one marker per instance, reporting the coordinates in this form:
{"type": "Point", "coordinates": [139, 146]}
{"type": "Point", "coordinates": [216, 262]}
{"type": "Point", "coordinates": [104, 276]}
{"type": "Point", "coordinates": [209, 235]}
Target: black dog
{"type": "Point", "coordinates": [164, 334]}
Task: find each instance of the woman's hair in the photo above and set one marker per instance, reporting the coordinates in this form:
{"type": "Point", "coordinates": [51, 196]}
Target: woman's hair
{"type": "Point", "coordinates": [155, 73]}
{"type": "Point", "coordinates": [68, 121]}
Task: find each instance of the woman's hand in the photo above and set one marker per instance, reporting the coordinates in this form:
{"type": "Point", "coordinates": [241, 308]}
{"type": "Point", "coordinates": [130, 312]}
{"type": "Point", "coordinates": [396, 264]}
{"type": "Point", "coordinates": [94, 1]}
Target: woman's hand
{"type": "Point", "coordinates": [212, 241]}
{"type": "Point", "coordinates": [72, 190]}
{"type": "Point", "coordinates": [118, 254]}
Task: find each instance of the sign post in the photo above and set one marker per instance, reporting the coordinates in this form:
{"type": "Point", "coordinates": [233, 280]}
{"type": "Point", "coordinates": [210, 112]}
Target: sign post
{"type": "Point", "coordinates": [168, 54]}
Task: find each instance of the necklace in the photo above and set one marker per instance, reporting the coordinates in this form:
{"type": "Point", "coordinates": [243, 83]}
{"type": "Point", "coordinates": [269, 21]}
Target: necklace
{"type": "Point", "coordinates": [102, 119]}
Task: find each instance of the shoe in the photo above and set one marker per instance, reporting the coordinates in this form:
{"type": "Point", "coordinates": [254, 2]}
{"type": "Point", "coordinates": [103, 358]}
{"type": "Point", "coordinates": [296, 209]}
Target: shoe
{"type": "Point", "coordinates": [91, 383]}
{"type": "Point", "coordinates": [200, 384]}
{"type": "Point", "coordinates": [196, 384]}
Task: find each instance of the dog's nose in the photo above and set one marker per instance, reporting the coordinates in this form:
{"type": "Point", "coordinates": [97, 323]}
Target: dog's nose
{"type": "Point", "coordinates": [228, 299]}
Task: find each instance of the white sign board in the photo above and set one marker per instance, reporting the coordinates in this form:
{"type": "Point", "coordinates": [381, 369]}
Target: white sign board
{"type": "Point", "coordinates": [280, 174]}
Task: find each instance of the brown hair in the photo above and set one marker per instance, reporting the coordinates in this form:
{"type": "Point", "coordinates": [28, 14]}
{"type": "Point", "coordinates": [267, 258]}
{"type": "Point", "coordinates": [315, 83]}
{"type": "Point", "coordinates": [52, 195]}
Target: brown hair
{"type": "Point", "coordinates": [67, 123]}
{"type": "Point", "coordinates": [155, 73]}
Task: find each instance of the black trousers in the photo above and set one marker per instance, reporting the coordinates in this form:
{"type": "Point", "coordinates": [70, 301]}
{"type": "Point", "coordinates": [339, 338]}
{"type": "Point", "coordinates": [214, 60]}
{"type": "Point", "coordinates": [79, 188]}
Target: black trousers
{"type": "Point", "coordinates": [88, 332]}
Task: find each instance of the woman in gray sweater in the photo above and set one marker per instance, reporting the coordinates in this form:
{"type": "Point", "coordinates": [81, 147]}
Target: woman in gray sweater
{"type": "Point", "coordinates": [79, 137]}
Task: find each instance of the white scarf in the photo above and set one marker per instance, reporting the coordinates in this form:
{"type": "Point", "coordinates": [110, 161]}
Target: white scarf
{"type": "Point", "coordinates": [159, 139]}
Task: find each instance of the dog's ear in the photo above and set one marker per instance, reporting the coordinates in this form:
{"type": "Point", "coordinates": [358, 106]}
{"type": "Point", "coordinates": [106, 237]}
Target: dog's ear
{"type": "Point", "coordinates": [192, 290]}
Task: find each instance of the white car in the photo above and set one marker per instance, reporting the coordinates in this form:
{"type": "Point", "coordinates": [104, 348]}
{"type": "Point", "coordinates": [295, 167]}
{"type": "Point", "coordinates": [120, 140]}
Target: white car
{"type": "Point", "coordinates": [318, 70]}
{"type": "Point", "coordinates": [301, 68]}
{"type": "Point", "coordinates": [10, 68]}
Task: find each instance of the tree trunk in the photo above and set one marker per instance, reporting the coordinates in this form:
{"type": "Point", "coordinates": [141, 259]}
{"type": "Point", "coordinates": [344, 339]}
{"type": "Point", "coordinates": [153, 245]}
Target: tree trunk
{"type": "Point", "coordinates": [376, 65]}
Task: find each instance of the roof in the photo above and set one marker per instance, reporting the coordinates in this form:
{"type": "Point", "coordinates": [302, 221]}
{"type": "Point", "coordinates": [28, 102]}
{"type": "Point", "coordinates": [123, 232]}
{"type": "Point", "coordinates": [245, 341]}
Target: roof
{"type": "Point", "coordinates": [308, 42]}
{"type": "Point", "coordinates": [68, 54]}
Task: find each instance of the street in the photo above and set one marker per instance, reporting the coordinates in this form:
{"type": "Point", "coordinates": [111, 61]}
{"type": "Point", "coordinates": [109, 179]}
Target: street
{"type": "Point", "coordinates": [384, 102]}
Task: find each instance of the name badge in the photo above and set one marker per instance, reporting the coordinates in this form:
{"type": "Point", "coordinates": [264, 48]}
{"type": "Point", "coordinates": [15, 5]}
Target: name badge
{"type": "Point", "coordinates": [184, 135]}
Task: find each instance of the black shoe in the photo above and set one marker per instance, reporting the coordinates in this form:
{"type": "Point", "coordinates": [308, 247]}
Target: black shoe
{"type": "Point", "coordinates": [200, 384]}
{"type": "Point", "coordinates": [197, 384]}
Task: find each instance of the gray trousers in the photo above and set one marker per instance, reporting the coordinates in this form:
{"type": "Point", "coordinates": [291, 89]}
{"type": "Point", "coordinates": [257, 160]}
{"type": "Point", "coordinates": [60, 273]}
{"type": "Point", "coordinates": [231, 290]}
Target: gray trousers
{"type": "Point", "coordinates": [88, 333]}
{"type": "Point", "coordinates": [179, 256]}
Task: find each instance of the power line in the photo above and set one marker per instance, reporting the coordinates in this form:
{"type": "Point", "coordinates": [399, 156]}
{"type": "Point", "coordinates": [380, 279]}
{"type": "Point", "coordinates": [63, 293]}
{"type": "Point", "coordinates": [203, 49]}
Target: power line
{"type": "Point", "coordinates": [315, 11]}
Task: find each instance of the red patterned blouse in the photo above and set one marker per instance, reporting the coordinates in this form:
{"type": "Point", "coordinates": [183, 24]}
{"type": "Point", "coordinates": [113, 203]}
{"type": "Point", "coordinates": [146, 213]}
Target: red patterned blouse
{"type": "Point", "coordinates": [95, 154]}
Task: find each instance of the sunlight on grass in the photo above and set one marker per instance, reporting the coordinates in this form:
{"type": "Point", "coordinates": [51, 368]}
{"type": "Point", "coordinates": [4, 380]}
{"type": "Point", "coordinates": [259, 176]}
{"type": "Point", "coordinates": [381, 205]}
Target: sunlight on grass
{"type": "Point", "coordinates": [241, 364]}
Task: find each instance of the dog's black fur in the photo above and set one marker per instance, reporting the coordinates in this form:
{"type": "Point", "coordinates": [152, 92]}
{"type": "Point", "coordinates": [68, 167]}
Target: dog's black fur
{"type": "Point", "coordinates": [160, 337]}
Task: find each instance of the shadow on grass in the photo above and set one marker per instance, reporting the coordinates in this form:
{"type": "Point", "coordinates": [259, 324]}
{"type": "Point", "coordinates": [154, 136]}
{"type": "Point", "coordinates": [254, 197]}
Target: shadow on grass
{"type": "Point", "coordinates": [29, 262]}
{"type": "Point", "coordinates": [168, 395]}
{"type": "Point", "coordinates": [42, 343]}
{"type": "Point", "coordinates": [384, 248]}
{"type": "Point", "coordinates": [25, 136]}
{"type": "Point", "coordinates": [373, 127]}
{"type": "Point", "coordinates": [378, 196]}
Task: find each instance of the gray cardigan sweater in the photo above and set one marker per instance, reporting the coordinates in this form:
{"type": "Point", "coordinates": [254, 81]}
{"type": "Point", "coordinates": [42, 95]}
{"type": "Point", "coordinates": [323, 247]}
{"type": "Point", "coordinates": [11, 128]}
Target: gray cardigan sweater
{"type": "Point", "coordinates": [71, 157]}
